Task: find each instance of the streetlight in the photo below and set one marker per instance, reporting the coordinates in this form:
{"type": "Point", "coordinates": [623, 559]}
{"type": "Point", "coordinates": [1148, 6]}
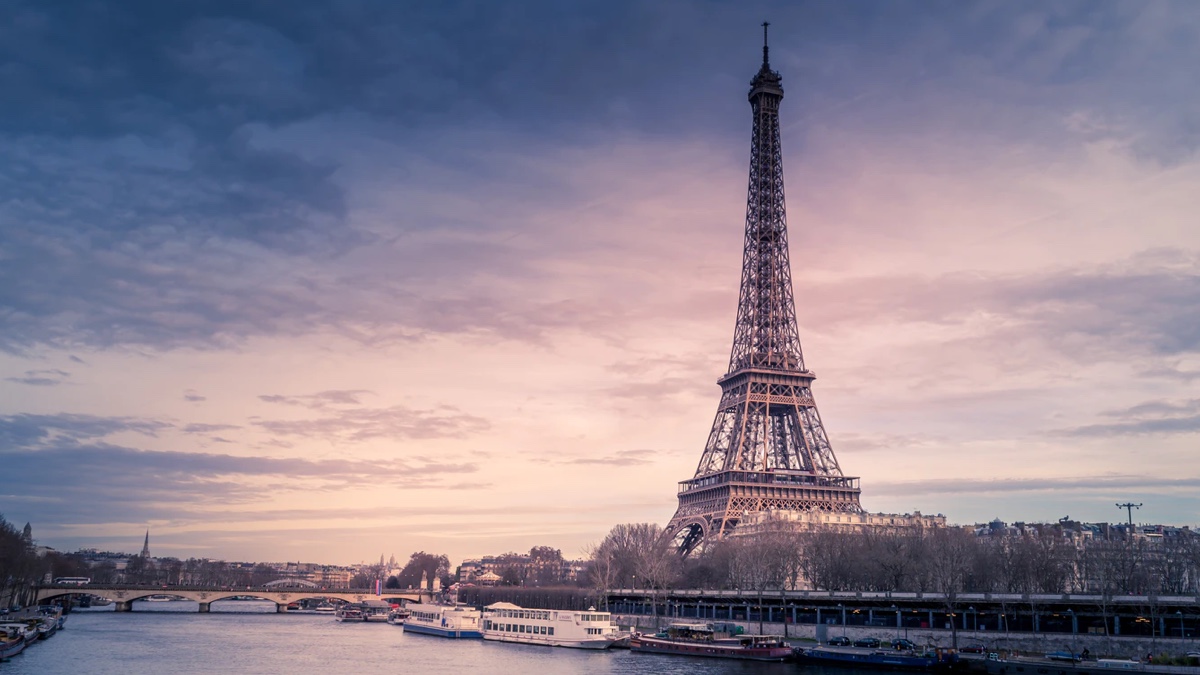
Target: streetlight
{"type": "Point", "coordinates": [843, 608]}
{"type": "Point", "coordinates": [1179, 613]}
{"type": "Point", "coordinates": [974, 619]}
{"type": "Point", "coordinates": [897, 621]}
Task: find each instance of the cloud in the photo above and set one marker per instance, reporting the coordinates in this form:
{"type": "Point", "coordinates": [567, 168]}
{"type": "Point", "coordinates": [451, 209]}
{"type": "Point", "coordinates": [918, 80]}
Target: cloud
{"type": "Point", "coordinates": [122, 484]}
{"type": "Point", "coordinates": [319, 400]}
{"type": "Point", "coordinates": [1085, 484]}
{"type": "Point", "coordinates": [208, 428]}
{"type": "Point", "coordinates": [1106, 313]}
{"type": "Point", "coordinates": [192, 397]}
{"type": "Point", "coordinates": [362, 424]}
{"type": "Point", "coordinates": [1174, 425]}
{"type": "Point", "coordinates": [1159, 418]}
{"type": "Point", "coordinates": [41, 378]}
{"type": "Point", "coordinates": [205, 184]}
{"type": "Point", "coordinates": [851, 443]}
{"type": "Point", "coordinates": [618, 458]}
{"type": "Point", "coordinates": [27, 431]}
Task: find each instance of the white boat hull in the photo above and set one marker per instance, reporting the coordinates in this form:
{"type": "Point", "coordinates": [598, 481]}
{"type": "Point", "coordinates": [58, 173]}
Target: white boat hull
{"type": "Point", "coordinates": [546, 641]}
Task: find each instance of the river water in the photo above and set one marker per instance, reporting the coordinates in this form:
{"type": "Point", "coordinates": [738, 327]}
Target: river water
{"type": "Point", "coordinates": [171, 638]}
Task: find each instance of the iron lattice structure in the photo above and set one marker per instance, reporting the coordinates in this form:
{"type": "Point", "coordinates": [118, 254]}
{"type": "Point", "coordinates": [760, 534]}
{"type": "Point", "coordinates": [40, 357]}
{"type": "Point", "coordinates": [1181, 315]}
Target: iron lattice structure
{"type": "Point", "coordinates": [767, 449]}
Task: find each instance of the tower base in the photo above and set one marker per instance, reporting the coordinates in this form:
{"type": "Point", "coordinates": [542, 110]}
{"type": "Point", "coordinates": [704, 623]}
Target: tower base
{"type": "Point", "coordinates": [711, 506]}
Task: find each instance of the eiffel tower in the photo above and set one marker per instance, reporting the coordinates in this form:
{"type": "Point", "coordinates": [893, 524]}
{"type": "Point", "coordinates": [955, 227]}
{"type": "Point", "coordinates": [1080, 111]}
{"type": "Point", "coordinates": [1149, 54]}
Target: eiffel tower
{"type": "Point", "coordinates": [767, 449]}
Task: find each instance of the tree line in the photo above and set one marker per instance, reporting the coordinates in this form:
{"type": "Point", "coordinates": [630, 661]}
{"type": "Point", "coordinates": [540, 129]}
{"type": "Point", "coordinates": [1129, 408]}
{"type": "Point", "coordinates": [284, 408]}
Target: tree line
{"type": "Point", "coordinates": [944, 560]}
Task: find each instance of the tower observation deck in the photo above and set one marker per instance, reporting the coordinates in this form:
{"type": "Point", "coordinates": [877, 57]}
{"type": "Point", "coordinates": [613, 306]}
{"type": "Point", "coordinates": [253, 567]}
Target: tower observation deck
{"type": "Point", "coordinates": [767, 449]}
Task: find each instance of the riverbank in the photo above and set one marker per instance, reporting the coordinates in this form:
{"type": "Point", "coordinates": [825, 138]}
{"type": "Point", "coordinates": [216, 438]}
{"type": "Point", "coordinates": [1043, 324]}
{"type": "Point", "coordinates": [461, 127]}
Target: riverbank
{"type": "Point", "coordinates": [1116, 646]}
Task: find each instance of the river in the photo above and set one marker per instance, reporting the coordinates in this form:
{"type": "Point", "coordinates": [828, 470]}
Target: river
{"type": "Point", "coordinates": [171, 638]}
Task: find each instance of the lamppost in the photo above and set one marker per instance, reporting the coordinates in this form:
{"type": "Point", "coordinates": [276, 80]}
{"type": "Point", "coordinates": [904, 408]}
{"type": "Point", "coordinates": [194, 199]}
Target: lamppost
{"type": "Point", "coordinates": [1179, 613]}
{"type": "Point", "coordinates": [897, 621]}
{"type": "Point", "coordinates": [843, 608]}
{"type": "Point", "coordinates": [974, 619]}
{"type": "Point", "coordinates": [1074, 631]}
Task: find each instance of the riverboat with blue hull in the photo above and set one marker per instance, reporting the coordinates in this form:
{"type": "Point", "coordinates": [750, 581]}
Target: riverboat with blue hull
{"type": "Point", "coordinates": [886, 659]}
{"type": "Point", "coordinates": [702, 640]}
{"type": "Point", "coordinates": [448, 621]}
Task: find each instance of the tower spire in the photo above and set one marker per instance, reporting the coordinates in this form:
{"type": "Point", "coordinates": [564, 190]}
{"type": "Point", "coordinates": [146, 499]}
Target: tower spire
{"type": "Point", "coordinates": [767, 449]}
{"type": "Point", "coordinates": [146, 545]}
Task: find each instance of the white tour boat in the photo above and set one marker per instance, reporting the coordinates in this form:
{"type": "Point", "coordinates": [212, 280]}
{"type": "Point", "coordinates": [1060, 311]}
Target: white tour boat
{"type": "Point", "coordinates": [589, 629]}
{"type": "Point", "coordinates": [443, 620]}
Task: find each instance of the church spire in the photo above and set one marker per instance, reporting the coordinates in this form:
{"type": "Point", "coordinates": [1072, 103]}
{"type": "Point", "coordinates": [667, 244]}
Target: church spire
{"type": "Point", "coordinates": [146, 545]}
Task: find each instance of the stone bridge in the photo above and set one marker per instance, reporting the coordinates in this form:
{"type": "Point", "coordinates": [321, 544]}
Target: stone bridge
{"type": "Point", "coordinates": [124, 596]}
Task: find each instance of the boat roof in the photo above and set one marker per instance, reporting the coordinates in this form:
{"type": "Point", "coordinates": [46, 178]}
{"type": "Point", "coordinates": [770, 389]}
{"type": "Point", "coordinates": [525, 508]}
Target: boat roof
{"type": "Point", "coordinates": [504, 605]}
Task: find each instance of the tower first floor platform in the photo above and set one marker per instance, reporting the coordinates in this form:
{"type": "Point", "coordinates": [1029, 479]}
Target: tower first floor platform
{"type": "Point", "coordinates": [712, 505]}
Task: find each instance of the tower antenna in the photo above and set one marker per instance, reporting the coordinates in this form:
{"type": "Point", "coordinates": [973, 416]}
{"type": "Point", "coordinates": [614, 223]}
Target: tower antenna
{"type": "Point", "coordinates": [765, 24]}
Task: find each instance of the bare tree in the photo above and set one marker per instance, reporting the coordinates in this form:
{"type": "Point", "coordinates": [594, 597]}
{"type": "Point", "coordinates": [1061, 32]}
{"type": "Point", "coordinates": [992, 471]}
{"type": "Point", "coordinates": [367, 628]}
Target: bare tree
{"type": "Point", "coordinates": [951, 551]}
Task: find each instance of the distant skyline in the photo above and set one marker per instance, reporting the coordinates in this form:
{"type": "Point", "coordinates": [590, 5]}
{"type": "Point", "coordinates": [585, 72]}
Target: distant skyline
{"type": "Point", "coordinates": [320, 281]}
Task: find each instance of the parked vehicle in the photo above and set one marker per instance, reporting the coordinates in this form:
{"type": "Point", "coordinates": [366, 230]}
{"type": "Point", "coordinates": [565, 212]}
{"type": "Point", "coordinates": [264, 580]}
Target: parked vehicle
{"type": "Point", "coordinates": [973, 649]}
{"type": "Point", "coordinates": [839, 641]}
{"type": "Point", "coordinates": [869, 643]}
{"type": "Point", "coordinates": [903, 645]}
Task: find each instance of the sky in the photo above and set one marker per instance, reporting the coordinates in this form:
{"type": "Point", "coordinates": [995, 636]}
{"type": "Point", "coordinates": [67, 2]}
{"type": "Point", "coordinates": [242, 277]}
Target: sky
{"type": "Point", "coordinates": [320, 281]}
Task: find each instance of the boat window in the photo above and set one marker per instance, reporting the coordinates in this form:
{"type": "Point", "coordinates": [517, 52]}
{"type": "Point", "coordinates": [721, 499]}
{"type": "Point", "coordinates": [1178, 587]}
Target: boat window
{"type": "Point", "coordinates": [552, 630]}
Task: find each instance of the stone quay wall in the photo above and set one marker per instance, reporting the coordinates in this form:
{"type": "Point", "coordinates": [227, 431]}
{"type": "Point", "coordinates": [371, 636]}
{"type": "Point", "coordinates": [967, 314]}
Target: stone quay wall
{"type": "Point", "coordinates": [1022, 643]}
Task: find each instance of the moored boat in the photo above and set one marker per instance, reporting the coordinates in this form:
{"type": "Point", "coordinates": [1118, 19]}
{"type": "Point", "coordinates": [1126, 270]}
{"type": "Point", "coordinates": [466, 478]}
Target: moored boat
{"type": "Point", "coordinates": [1044, 666]}
{"type": "Point", "coordinates": [45, 627]}
{"type": "Point", "coordinates": [27, 632]}
{"type": "Point", "coordinates": [506, 622]}
{"type": "Point", "coordinates": [12, 641]}
{"type": "Point", "coordinates": [865, 657]}
{"type": "Point", "coordinates": [686, 639]}
{"type": "Point", "coordinates": [452, 621]}
{"type": "Point", "coordinates": [397, 616]}
{"type": "Point", "coordinates": [349, 612]}
{"type": "Point", "coordinates": [325, 608]}
{"type": "Point", "coordinates": [375, 611]}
